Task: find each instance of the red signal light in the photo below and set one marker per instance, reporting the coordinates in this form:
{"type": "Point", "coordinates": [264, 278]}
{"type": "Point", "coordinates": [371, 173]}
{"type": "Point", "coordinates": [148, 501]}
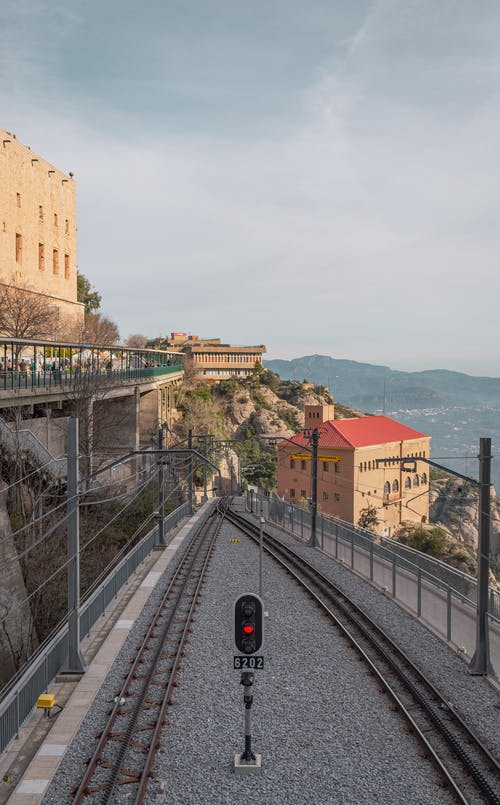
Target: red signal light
{"type": "Point", "coordinates": [248, 628]}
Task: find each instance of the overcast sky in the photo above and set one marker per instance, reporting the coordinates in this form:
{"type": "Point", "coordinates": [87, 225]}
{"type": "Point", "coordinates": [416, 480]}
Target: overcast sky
{"type": "Point", "coordinates": [320, 176]}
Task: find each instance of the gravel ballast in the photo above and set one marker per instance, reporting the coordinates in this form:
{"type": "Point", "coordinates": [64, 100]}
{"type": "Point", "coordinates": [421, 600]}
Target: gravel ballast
{"type": "Point", "coordinates": [325, 732]}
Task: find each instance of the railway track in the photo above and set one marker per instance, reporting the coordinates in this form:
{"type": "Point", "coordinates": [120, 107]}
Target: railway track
{"type": "Point", "coordinates": [469, 769]}
{"type": "Point", "coordinates": [126, 748]}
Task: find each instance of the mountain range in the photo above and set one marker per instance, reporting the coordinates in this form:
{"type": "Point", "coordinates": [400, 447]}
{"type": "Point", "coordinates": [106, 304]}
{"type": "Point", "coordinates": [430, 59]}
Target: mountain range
{"type": "Point", "coordinates": [369, 387]}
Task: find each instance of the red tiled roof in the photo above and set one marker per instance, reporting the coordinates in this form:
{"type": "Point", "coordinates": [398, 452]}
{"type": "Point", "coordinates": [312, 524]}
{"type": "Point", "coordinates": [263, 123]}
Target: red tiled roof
{"type": "Point", "coordinates": [360, 432]}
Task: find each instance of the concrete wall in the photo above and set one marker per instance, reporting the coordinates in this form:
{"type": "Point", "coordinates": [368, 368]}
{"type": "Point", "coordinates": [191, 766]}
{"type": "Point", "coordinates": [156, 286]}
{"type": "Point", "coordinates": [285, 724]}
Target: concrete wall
{"type": "Point", "coordinates": [51, 432]}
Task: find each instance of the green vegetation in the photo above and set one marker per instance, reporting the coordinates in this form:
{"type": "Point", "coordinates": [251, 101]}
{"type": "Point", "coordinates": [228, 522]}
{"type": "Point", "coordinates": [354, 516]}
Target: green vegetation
{"type": "Point", "coordinates": [368, 518]}
{"type": "Point", "coordinates": [86, 294]}
{"type": "Point", "coordinates": [495, 565]}
{"type": "Point", "coordinates": [433, 540]}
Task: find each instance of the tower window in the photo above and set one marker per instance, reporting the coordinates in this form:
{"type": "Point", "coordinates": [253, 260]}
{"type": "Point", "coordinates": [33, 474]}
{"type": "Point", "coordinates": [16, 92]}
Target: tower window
{"type": "Point", "coordinates": [55, 262]}
{"type": "Point", "coordinates": [55, 219]}
{"type": "Point", "coordinates": [19, 247]}
{"type": "Point", "coordinates": [18, 199]}
{"type": "Point", "coordinates": [66, 266]}
{"type": "Point", "coordinates": [40, 212]}
{"type": "Point", "coordinates": [41, 256]}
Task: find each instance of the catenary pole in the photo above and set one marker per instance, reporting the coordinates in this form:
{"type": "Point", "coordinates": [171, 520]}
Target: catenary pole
{"type": "Point", "coordinates": [161, 494]}
{"type": "Point", "coordinates": [314, 485]}
{"type": "Point", "coordinates": [480, 663]}
{"type": "Point", "coordinates": [75, 663]}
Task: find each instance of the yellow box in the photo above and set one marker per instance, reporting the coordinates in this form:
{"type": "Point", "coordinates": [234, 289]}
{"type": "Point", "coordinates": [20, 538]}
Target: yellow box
{"type": "Point", "coordinates": [46, 701]}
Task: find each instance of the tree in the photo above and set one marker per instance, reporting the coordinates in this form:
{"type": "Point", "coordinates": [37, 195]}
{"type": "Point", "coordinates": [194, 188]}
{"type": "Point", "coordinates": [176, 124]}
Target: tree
{"type": "Point", "coordinates": [86, 294]}
{"type": "Point", "coordinates": [99, 330]}
{"type": "Point", "coordinates": [136, 341]}
{"type": "Point", "coordinates": [368, 518]}
{"type": "Point", "coordinates": [26, 315]}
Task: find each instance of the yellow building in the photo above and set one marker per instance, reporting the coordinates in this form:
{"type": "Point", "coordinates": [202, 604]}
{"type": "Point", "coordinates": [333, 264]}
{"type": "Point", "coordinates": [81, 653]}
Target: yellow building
{"type": "Point", "coordinates": [351, 473]}
{"type": "Point", "coordinates": [214, 361]}
{"type": "Point", "coordinates": [38, 229]}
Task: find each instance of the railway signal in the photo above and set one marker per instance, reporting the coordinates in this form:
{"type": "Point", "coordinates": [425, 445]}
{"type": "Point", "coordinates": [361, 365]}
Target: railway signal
{"type": "Point", "coordinates": [248, 623]}
{"type": "Point", "coordinates": [248, 637]}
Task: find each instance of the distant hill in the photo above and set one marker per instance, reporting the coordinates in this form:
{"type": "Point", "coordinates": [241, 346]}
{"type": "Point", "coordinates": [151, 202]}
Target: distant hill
{"type": "Point", "coordinates": [363, 385]}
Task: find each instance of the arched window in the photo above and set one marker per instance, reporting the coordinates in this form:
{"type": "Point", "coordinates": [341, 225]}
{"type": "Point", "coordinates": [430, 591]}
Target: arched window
{"type": "Point", "coordinates": [387, 488]}
{"type": "Point", "coordinates": [395, 485]}
{"type": "Point", "coordinates": [369, 465]}
{"type": "Point", "coordinates": [407, 482]}
{"type": "Point", "coordinates": [423, 478]}
{"type": "Point", "coordinates": [416, 480]}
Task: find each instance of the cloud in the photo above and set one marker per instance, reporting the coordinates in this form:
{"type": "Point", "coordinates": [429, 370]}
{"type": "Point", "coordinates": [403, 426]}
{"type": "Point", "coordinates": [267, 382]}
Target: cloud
{"type": "Point", "coordinates": [364, 228]}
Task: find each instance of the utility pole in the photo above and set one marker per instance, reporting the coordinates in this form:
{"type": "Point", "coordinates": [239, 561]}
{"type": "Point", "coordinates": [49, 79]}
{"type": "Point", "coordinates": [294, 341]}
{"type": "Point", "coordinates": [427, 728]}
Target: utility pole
{"type": "Point", "coordinates": [314, 485]}
{"type": "Point", "coordinates": [75, 664]}
{"type": "Point", "coordinates": [480, 663]}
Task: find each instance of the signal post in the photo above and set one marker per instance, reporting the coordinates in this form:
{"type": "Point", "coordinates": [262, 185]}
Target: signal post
{"type": "Point", "coordinates": [248, 638]}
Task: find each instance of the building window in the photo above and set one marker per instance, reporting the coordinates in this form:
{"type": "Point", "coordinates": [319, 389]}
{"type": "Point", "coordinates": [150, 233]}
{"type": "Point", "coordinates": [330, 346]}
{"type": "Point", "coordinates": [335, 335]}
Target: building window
{"type": "Point", "coordinates": [337, 466]}
{"type": "Point", "coordinates": [40, 212]}
{"type": "Point", "coordinates": [387, 488]}
{"type": "Point", "coordinates": [41, 256]}
{"type": "Point", "coordinates": [292, 493]}
{"type": "Point", "coordinates": [303, 465]}
{"type": "Point", "coordinates": [55, 262]}
{"type": "Point", "coordinates": [292, 463]}
{"type": "Point", "coordinates": [407, 482]}
{"type": "Point", "coordinates": [337, 497]}
{"type": "Point", "coordinates": [19, 247]}
{"type": "Point", "coordinates": [361, 467]}
{"type": "Point", "coordinates": [55, 219]}
{"type": "Point", "coordinates": [325, 466]}
{"type": "Point", "coordinates": [303, 493]}
{"type": "Point", "coordinates": [66, 226]}
{"type": "Point", "coordinates": [424, 478]}
{"type": "Point", "coordinates": [325, 495]}
{"type": "Point", "coordinates": [416, 480]}
{"type": "Point", "coordinates": [18, 199]}
{"type": "Point", "coordinates": [66, 266]}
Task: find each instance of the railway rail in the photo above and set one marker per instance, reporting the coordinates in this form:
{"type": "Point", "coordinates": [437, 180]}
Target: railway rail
{"type": "Point", "coordinates": [126, 749]}
{"type": "Point", "coordinates": [469, 769]}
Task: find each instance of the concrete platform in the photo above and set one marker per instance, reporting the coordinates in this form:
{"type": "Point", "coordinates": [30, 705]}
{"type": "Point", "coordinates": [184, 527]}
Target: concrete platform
{"type": "Point", "coordinates": [31, 761]}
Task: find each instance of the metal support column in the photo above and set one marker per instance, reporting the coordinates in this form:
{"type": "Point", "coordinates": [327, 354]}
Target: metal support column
{"type": "Point", "coordinates": [190, 470]}
{"type": "Point", "coordinates": [314, 486]}
{"type": "Point", "coordinates": [160, 540]}
{"type": "Point", "coordinates": [480, 663]}
{"type": "Point", "coordinates": [75, 664]}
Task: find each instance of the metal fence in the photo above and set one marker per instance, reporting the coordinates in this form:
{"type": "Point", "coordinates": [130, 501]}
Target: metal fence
{"type": "Point", "coordinates": [357, 547]}
{"type": "Point", "coordinates": [20, 696]}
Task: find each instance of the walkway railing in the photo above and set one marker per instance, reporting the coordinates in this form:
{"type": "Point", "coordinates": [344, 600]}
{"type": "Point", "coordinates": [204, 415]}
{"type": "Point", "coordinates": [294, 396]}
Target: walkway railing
{"type": "Point", "coordinates": [345, 541]}
{"type": "Point", "coordinates": [21, 694]}
{"type": "Point", "coordinates": [71, 376]}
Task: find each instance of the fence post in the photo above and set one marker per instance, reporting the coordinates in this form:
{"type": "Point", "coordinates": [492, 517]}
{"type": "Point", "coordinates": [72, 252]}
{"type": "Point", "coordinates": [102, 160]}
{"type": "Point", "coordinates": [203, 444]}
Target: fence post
{"type": "Point", "coordinates": [302, 523]}
{"type": "Point", "coordinates": [352, 550]}
{"type": "Point", "coordinates": [371, 560]}
{"type": "Point", "coordinates": [394, 575]}
{"type": "Point", "coordinates": [419, 592]}
{"type": "Point", "coordinates": [448, 613]}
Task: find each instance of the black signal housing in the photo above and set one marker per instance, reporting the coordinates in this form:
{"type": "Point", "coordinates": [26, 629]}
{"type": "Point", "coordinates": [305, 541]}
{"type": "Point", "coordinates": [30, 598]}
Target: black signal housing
{"type": "Point", "coordinates": [248, 623]}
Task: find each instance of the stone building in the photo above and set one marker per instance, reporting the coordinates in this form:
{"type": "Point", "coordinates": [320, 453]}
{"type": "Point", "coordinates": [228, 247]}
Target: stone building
{"type": "Point", "coordinates": [38, 230]}
{"type": "Point", "coordinates": [214, 361]}
{"type": "Point", "coordinates": [350, 478]}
